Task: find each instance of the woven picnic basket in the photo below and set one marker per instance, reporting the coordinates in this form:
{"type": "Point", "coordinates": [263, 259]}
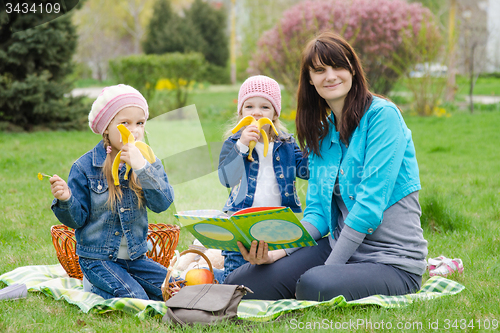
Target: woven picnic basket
{"type": "Point", "coordinates": [170, 288]}
{"type": "Point", "coordinates": [162, 237]}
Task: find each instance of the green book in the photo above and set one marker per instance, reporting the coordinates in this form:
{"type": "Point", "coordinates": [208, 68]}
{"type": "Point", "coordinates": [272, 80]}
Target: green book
{"type": "Point", "coordinates": [277, 226]}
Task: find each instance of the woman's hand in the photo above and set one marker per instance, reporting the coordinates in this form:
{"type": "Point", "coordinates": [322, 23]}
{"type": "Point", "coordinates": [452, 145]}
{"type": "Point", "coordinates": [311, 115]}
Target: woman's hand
{"type": "Point", "coordinates": [260, 255]}
{"type": "Point", "coordinates": [59, 188]}
{"type": "Point", "coordinates": [250, 133]}
{"type": "Point", "coordinates": [132, 156]}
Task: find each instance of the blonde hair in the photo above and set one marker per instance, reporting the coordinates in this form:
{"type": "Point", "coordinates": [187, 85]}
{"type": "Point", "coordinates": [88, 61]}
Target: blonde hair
{"type": "Point", "coordinates": [115, 192]}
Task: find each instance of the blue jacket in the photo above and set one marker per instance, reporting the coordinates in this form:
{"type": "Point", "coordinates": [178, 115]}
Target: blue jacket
{"type": "Point", "coordinates": [99, 229]}
{"type": "Point", "coordinates": [288, 163]}
{"type": "Point", "coordinates": [378, 169]}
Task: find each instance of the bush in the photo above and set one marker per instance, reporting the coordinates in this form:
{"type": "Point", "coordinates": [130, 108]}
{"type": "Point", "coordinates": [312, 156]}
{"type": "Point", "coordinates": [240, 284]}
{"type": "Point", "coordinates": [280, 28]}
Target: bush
{"type": "Point", "coordinates": [216, 74]}
{"type": "Point", "coordinates": [375, 29]}
{"type": "Point", "coordinates": [144, 72]}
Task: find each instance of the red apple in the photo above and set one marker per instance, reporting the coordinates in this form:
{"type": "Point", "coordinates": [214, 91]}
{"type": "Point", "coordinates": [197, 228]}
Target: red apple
{"type": "Point", "coordinates": [199, 276]}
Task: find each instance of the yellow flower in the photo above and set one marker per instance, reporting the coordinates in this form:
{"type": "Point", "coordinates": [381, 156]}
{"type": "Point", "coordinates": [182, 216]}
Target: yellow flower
{"type": "Point", "coordinates": [289, 115]}
{"type": "Point", "coordinates": [42, 175]}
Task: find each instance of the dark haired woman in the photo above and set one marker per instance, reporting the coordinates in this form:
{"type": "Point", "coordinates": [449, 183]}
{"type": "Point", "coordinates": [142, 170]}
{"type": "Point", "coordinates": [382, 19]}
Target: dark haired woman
{"type": "Point", "coordinates": [363, 190]}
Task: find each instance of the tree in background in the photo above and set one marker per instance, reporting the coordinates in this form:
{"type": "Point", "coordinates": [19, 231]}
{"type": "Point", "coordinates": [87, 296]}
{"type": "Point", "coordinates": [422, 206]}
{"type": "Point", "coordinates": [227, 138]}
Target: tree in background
{"type": "Point", "coordinates": [107, 29]}
{"type": "Point", "coordinates": [166, 31]}
{"type": "Point", "coordinates": [210, 23]}
{"type": "Point", "coordinates": [472, 42]}
{"type": "Point", "coordinates": [373, 27]}
{"type": "Point", "coordinates": [254, 17]}
{"type": "Point", "coordinates": [34, 64]}
{"type": "Point", "coordinates": [201, 29]}
{"type": "Point", "coordinates": [425, 77]}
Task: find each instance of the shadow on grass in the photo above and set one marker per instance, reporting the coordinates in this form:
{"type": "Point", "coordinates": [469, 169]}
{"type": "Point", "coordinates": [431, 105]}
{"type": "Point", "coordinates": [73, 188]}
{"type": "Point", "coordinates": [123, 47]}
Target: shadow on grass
{"type": "Point", "coordinates": [439, 216]}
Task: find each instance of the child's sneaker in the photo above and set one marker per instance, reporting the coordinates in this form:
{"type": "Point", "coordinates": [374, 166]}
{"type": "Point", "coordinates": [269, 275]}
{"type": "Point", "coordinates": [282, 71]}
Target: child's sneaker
{"type": "Point", "coordinates": [443, 266]}
{"type": "Point", "coordinates": [14, 291]}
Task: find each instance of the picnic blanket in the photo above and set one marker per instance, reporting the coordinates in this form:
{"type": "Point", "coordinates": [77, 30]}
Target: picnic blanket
{"type": "Point", "coordinates": [53, 281]}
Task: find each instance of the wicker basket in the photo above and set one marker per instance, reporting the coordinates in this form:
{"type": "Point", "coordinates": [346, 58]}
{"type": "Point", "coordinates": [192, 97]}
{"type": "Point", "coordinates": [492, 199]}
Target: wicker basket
{"type": "Point", "coordinates": [64, 241]}
{"type": "Point", "coordinates": [168, 288]}
{"type": "Point", "coordinates": [163, 238]}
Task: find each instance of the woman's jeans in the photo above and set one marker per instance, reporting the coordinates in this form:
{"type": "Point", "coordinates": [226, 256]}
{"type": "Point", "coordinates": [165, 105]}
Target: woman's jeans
{"type": "Point", "coordinates": [304, 276]}
{"type": "Point", "coordinates": [141, 278]}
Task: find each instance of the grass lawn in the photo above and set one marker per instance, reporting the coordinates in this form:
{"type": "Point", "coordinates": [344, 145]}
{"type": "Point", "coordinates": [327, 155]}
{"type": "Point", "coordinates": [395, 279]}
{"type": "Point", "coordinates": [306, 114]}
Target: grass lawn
{"type": "Point", "coordinates": [483, 86]}
{"type": "Point", "coordinates": [458, 159]}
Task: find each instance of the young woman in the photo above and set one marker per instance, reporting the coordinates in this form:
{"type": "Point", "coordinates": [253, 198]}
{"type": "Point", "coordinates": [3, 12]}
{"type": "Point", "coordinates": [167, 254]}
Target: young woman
{"type": "Point", "coordinates": [362, 200]}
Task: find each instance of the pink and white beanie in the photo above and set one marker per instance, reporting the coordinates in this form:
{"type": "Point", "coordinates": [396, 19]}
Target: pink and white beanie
{"type": "Point", "coordinates": [112, 100]}
{"type": "Point", "coordinates": [260, 86]}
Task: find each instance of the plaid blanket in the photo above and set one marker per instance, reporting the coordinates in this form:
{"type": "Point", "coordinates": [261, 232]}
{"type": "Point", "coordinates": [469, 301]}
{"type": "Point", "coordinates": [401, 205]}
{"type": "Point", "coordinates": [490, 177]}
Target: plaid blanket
{"type": "Point", "coordinates": [53, 281]}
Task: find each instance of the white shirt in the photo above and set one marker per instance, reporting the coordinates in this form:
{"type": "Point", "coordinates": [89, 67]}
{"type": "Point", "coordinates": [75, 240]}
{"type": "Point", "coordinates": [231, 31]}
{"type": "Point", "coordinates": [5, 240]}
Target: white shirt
{"type": "Point", "coordinates": [267, 192]}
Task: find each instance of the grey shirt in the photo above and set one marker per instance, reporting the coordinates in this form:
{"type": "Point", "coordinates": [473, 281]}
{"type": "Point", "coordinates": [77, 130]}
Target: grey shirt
{"type": "Point", "coordinates": [398, 241]}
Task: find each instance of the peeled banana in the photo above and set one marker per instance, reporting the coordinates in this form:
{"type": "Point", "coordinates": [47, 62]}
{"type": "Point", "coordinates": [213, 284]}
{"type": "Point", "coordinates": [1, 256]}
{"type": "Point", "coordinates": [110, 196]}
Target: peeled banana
{"type": "Point", "coordinates": [249, 120]}
{"type": "Point", "coordinates": [128, 137]}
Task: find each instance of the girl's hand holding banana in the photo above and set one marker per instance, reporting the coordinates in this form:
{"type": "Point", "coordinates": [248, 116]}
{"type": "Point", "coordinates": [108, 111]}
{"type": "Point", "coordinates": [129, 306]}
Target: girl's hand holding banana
{"type": "Point", "coordinates": [256, 124]}
{"type": "Point", "coordinates": [130, 157]}
{"type": "Point", "coordinates": [249, 134]}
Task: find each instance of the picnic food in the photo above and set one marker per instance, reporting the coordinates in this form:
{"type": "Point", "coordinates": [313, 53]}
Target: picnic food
{"type": "Point", "coordinates": [249, 120]}
{"type": "Point", "coordinates": [128, 137]}
{"type": "Point", "coordinates": [199, 276]}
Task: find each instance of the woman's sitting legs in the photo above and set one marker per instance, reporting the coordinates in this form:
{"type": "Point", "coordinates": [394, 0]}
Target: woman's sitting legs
{"type": "Point", "coordinates": [355, 281]}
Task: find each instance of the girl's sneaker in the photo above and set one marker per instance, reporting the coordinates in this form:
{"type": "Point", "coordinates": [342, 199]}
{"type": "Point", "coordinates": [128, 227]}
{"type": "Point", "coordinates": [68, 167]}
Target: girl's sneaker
{"type": "Point", "coordinates": [443, 266]}
{"type": "Point", "coordinates": [14, 291]}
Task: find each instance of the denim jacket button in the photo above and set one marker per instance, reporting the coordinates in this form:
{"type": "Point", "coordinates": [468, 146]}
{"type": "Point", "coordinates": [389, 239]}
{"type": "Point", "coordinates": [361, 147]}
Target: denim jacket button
{"type": "Point", "coordinates": [117, 233]}
{"type": "Point", "coordinates": [286, 194]}
{"type": "Point", "coordinates": [341, 171]}
{"type": "Point", "coordinates": [281, 176]}
{"type": "Point", "coordinates": [370, 230]}
{"type": "Point", "coordinates": [110, 256]}
{"type": "Point", "coordinates": [351, 197]}
{"type": "Point", "coordinates": [277, 158]}
{"type": "Point", "coordinates": [122, 209]}
{"type": "Point", "coordinates": [99, 187]}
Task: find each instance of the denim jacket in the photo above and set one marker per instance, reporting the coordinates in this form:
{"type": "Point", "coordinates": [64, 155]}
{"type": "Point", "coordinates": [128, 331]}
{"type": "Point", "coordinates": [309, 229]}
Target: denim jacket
{"type": "Point", "coordinates": [378, 169]}
{"type": "Point", "coordinates": [99, 229]}
{"type": "Point", "coordinates": [236, 171]}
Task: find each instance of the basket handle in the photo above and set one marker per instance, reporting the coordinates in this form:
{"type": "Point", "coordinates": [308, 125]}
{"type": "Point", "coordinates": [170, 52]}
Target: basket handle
{"type": "Point", "coordinates": [197, 252]}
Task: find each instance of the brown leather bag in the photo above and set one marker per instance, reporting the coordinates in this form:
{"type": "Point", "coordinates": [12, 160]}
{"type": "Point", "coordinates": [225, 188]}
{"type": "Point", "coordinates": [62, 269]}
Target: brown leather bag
{"type": "Point", "coordinates": [207, 304]}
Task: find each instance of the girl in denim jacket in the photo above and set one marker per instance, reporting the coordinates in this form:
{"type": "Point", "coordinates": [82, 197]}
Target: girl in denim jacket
{"type": "Point", "coordinates": [268, 180]}
{"type": "Point", "coordinates": [111, 221]}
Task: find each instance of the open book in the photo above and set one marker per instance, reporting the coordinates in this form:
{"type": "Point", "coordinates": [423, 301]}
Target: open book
{"type": "Point", "coordinates": [277, 226]}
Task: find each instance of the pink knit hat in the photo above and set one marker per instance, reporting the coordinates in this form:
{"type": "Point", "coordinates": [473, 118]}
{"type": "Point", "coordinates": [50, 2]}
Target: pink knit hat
{"type": "Point", "coordinates": [112, 100]}
{"type": "Point", "coordinates": [260, 86]}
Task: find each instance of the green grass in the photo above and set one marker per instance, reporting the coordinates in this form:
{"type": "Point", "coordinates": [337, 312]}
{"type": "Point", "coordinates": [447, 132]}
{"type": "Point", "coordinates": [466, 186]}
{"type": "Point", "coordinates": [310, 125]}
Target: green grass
{"type": "Point", "coordinates": [483, 86]}
{"type": "Point", "coordinates": [460, 197]}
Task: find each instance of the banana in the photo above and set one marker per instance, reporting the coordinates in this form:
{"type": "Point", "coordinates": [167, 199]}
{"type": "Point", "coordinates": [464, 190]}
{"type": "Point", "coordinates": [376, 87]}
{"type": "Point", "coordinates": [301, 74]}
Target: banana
{"type": "Point", "coordinates": [145, 150]}
{"type": "Point", "coordinates": [249, 120]}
